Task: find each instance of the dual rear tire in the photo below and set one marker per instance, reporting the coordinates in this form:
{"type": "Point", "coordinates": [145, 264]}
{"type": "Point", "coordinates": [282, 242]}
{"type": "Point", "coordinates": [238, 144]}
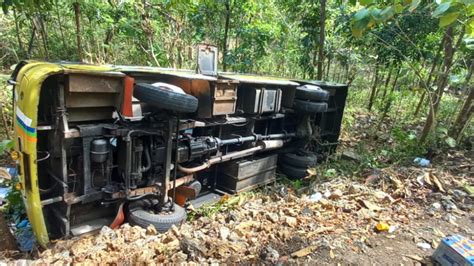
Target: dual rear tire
{"type": "Point", "coordinates": [310, 99]}
{"type": "Point", "coordinates": [295, 165]}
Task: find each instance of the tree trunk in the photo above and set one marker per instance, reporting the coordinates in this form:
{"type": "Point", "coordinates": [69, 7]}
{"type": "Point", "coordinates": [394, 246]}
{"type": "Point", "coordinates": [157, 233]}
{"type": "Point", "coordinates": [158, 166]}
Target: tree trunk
{"type": "Point", "coordinates": [322, 22]}
{"type": "Point", "coordinates": [77, 13]}
{"type": "Point", "coordinates": [382, 76]}
{"type": "Point", "coordinates": [442, 81]}
{"type": "Point", "coordinates": [328, 68]}
{"type": "Point", "coordinates": [334, 71]}
{"type": "Point", "coordinates": [352, 74]}
{"type": "Point", "coordinates": [30, 43]}
{"type": "Point", "coordinates": [226, 33]}
{"type": "Point", "coordinates": [44, 35]}
{"type": "Point", "coordinates": [465, 114]}
{"type": "Point", "coordinates": [346, 74]}
{"type": "Point", "coordinates": [394, 85]}
{"type": "Point", "coordinates": [60, 24]}
{"type": "Point", "coordinates": [374, 87]}
{"type": "Point", "coordinates": [387, 81]}
{"type": "Point", "coordinates": [427, 85]}
{"type": "Point", "coordinates": [17, 27]}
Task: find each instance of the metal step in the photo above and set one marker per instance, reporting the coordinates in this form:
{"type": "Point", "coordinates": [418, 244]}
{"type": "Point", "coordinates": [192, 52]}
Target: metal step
{"type": "Point", "coordinates": [90, 226]}
{"type": "Point", "coordinates": [208, 198]}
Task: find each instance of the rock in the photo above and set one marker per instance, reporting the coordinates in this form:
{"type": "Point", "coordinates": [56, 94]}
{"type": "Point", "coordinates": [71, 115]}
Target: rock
{"type": "Point", "coordinates": [355, 188]}
{"type": "Point", "coordinates": [108, 232]}
{"type": "Point", "coordinates": [269, 254]}
{"type": "Point", "coordinates": [436, 206]}
{"type": "Point", "coordinates": [232, 216]}
{"type": "Point", "coordinates": [291, 212]}
{"type": "Point", "coordinates": [290, 221]}
{"type": "Point", "coordinates": [306, 211]}
{"type": "Point", "coordinates": [175, 230]}
{"type": "Point", "coordinates": [224, 232]}
{"type": "Point", "coordinates": [151, 230]}
{"type": "Point", "coordinates": [448, 205]}
{"type": "Point", "coordinates": [283, 191]}
{"type": "Point", "coordinates": [459, 195]}
{"type": "Point", "coordinates": [336, 194]}
{"type": "Point", "coordinates": [449, 218]}
{"type": "Point", "coordinates": [351, 155]}
{"type": "Point", "coordinates": [369, 205]}
{"type": "Point", "coordinates": [272, 217]}
{"type": "Point", "coordinates": [234, 237]}
{"type": "Point", "coordinates": [304, 252]}
{"type": "Point", "coordinates": [191, 247]}
{"type": "Point", "coordinates": [327, 194]}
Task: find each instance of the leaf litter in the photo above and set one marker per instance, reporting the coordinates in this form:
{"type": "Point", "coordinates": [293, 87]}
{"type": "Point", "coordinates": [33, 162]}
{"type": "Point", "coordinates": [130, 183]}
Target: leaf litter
{"type": "Point", "coordinates": [328, 221]}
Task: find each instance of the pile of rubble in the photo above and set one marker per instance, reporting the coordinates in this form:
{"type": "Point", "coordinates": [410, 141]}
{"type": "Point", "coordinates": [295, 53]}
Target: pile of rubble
{"type": "Point", "coordinates": [399, 212]}
{"type": "Point", "coordinates": [284, 225]}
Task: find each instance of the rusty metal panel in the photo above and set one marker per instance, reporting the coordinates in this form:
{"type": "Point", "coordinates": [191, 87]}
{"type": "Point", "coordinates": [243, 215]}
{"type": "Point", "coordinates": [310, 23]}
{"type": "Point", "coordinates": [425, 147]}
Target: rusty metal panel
{"type": "Point", "coordinates": [224, 98]}
{"type": "Point", "coordinates": [243, 169]}
{"type": "Point", "coordinates": [75, 99]}
{"type": "Point", "coordinates": [89, 114]}
{"type": "Point", "coordinates": [232, 185]}
{"type": "Point", "coordinates": [95, 84]}
{"type": "Point", "coordinates": [242, 175]}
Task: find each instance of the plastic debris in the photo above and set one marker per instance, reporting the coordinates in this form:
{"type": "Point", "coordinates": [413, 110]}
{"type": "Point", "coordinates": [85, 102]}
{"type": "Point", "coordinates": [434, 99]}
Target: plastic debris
{"type": "Point", "coordinates": [455, 250]}
{"type": "Point", "coordinates": [422, 162]}
{"type": "Point", "coordinates": [315, 197]}
{"type": "Point", "coordinates": [4, 192]}
{"type": "Point", "coordinates": [23, 224]}
{"type": "Point", "coordinates": [382, 227]}
{"type": "Point", "coordinates": [424, 245]}
{"type": "Point", "coordinates": [7, 173]}
{"type": "Point", "coordinates": [327, 194]}
{"type": "Point", "coordinates": [392, 229]}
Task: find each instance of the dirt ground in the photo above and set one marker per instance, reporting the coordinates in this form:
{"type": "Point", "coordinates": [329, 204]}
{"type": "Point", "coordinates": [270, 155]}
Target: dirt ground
{"type": "Point", "coordinates": [323, 221]}
{"type": "Point", "coordinates": [7, 241]}
{"type": "Point", "coordinates": [283, 226]}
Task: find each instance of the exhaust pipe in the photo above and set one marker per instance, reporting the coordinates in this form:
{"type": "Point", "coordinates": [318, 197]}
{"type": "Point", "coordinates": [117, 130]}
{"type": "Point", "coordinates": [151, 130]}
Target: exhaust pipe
{"type": "Point", "coordinates": [262, 146]}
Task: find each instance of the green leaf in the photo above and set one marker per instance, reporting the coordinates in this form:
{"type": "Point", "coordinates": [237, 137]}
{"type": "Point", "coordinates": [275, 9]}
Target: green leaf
{"type": "Point", "coordinates": [442, 131]}
{"type": "Point", "coordinates": [376, 14]}
{"type": "Point", "coordinates": [398, 8]}
{"type": "Point", "coordinates": [469, 43]}
{"type": "Point", "coordinates": [467, 2]}
{"type": "Point", "coordinates": [387, 13]}
{"type": "Point", "coordinates": [360, 22]}
{"type": "Point", "coordinates": [451, 142]}
{"type": "Point", "coordinates": [413, 5]}
{"type": "Point", "coordinates": [470, 27]}
{"type": "Point", "coordinates": [443, 7]}
{"type": "Point", "coordinates": [448, 19]}
{"type": "Point", "coordinates": [366, 2]}
{"type": "Point", "coordinates": [6, 145]}
{"type": "Point", "coordinates": [361, 14]}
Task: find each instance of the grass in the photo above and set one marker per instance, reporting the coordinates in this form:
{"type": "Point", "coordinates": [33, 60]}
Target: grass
{"type": "Point", "coordinates": [393, 141]}
{"type": "Point", "coordinates": [6, 103]}
{"type": "Point", "coordinates": [224, 204]}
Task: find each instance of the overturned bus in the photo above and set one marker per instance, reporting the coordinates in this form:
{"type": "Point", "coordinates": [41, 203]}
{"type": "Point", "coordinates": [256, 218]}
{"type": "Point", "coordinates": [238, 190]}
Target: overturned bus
{"type": "Point", "coordinates": [103, 145]}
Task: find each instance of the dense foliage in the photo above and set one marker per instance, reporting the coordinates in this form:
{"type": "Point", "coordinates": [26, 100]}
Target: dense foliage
{"type": "Point", "coordinates": [415, 49]}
